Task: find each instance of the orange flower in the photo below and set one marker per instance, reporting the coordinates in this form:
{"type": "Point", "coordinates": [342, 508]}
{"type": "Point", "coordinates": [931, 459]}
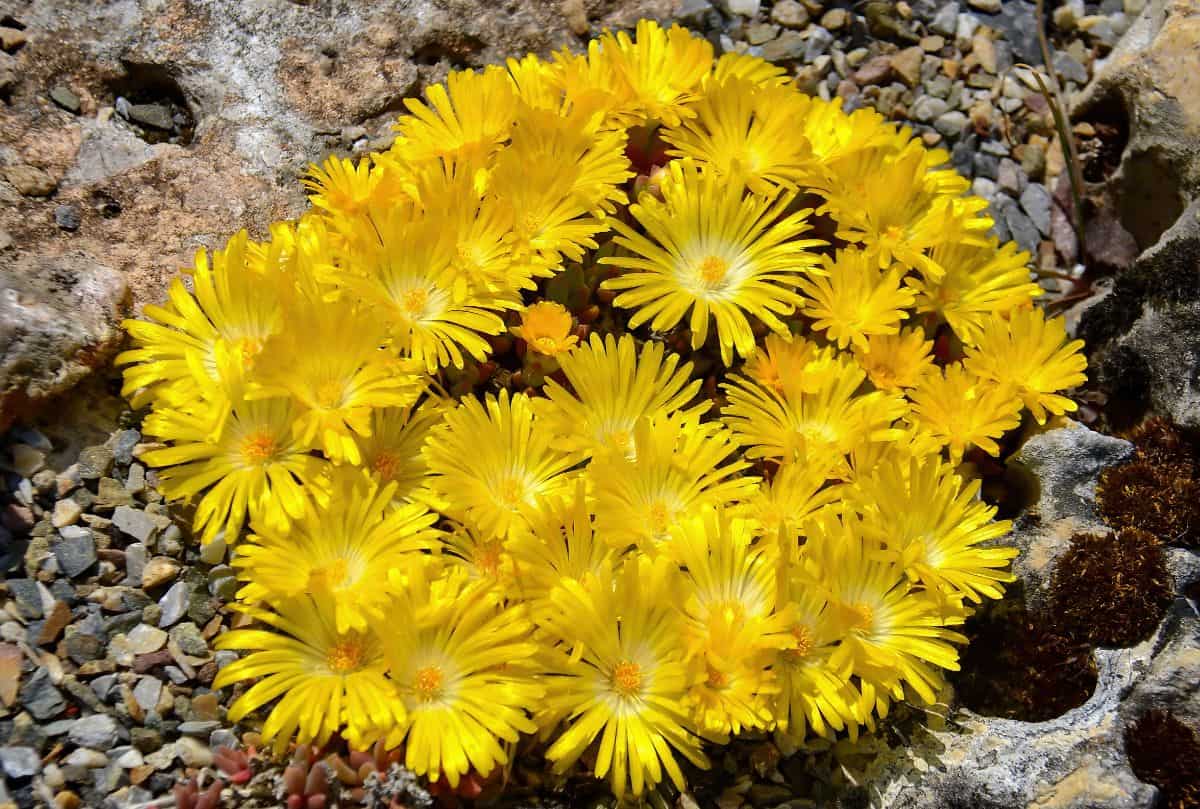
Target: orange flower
{"type": "Point", "coordinates": [546, 327]}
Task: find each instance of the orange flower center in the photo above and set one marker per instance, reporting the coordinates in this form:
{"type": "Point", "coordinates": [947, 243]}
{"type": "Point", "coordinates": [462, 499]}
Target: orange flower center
{"type": "Point", "coordinates": [386, 465]}
{"type": "Point", "coordinates": [627, 678]}
{"type": "Point", "coordinates": [713, 269]}
{"type": "Point", "coordinates": [259, 447]}
{"type": "Point", "coordinates": [804, 644]}
{"type": "Point", "coordinates": [660, 517]}
{"type": "Point", "coordinates": [333, 576]}
{"type": "Point", "coordinates": [488, 557]}
{"type": "Point", "coordinates": [860, 616]}
{"type": "Point", "coordinates": [413, 302]}
{"type": "Point", "coordinates": [329, 394]}
{"type": "Point", "coordinates": [428, 682]}
{"type": "Point", "coordinates": [510, 492]}
{"type": "Point", "coordinates": [716, 678]}
{"type": "Point", "coordinates": [346, 655]}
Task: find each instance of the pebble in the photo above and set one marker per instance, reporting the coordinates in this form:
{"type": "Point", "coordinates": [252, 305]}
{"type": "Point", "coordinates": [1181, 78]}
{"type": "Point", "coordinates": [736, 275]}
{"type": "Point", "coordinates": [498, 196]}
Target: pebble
{"type": "Point", "coordinates": [26, 460]}
{"type": "Point", "coordinates": [96, 731]}
{"type": "Point", "coordinates": [789, 14]}
{"type": "Point", "coordinates": [144, 639]}
{"type": "Point", "coordinates": [62, 96]}
{"type": "Point", "coordinates": [950, 123]}
{"type": "Point", "coordinates": [147, 692]}
{"type": "Point", "coordinates": [66, 512]}
{"type": "Point", "coordinates": [986, 6]}
{"type": "Point", "coordinates": [68, 217]}
{"type": "Point", "coordinates": [907, 65]}
{"type": "Point", "coordinates": [127, 759]}
{"type": "Point", "coordinates": [75, 554]}
{"type": "Point", "coordinates": [56, 621]}
{"type": "Point", "coordinates": [819, 41]}
{"type": "Point", "coordinates": [1035, 201]}
{"type": "Point", "coordinates": [29, 600]}
{"type": "Point", "coordinates": [189, 640]}
{"type": "Point", "coordinates": [135, 523]}
{"type": "Point", "coordinates": [945, 22]}
{"type": "Point", "coordinates": [11, 38]}
{"type": "Point", "coordinates": [761, 32]}
{"type": "Point", "coordinates": [87, 758]}
{"type": "Point", "coordinates": [159, 571]}
{"type": "Point", "coordinates": [835, 19]}
{"type": "Point", "coordinates": [193, 753]}
{"type": "Point", "coordinates": [745, 8]}
{"type": "Point", "coordinates": [789, 46]}
{"type": "Point", "coordinates": [927, 108]}
{"type": "Point", "coordinates": [30, 180]}
{"type": "Point", "coordinates": [157, 116]}
{"type": "Point", "coordinates": [95, 462]}
{"type": "Point", "coordinates": [20, 762]}
{"type": "Point", "coordinates": [174, 604]}
{"type": "Point", "coordinates": [198, 727]}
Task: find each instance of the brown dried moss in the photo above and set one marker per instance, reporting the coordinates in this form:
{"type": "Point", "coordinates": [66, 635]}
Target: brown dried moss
{"type": "Point", "coordinates": [1111, 590]}
{"type": "Point", "coordinates": [1162, 499]}
{"type": "Point", "coordinates": [1161, 443]}
{"type": "Point", "coordinates": [1165, 752]}
{"type": "Point", "coordinates": [1016, 668]}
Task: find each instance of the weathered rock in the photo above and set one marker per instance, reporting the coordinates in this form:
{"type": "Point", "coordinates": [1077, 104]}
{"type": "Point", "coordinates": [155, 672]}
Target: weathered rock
{"type": "Point", "coordinates": [98, 731]}
{"type": "Point", "coordinates": [58, 321]}
{"type": "Point", "coordinates": [20, 762]}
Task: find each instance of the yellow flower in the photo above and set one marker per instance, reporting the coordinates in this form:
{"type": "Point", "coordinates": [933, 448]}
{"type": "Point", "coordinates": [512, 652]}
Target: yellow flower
{"type": "Point", "coordinates": [960, 410]}
{"type": "Point", "coordinates": [330, 359]}
{"type": "Point", "coordinates": [757, 71]}
{"type": "Point", "coordinates": [488, 461]}
{"type": "Point", "coordinates": [626, 680]}
{"type": "Point", "coordinates": [935, 527]}
{"type": "Point", "coordinates": [343, 188]}
{"type": "Point", "coordinates": [462, 665]}
{"type": "Point", "coordinates": [794, 495]}
{"type": "Point", "coordinates": [855, 299]}
{"type": "Point", "coordinates": [678, 466]}
{"type": "Point", "coordinates": [614, 385]}
{"type": "Point", "coordinates": [546, 327]}
{"type": "Point", "coordinates": [255, 466]}
{"type": "Point", "coordinates": [894, 361]}
{"type": "Point", "coordinates": [746, 134]}
{"type": "Point", "coordinates": [340, 550]}
{"type": "Point", "coordinates": [716, 251]}
{"type": "Point", "coordinates": [660, 71]}
{"type": "Point", "coordinates": [1031, 355]}
{"type": "Point", "coordinates": [468, 116]}
{"type": "Point", "coordinates": [392, 452]}
{"type": "Point", "coordinates": [326, 681]}
{"type": "Point", "coordinates": [802, 362]}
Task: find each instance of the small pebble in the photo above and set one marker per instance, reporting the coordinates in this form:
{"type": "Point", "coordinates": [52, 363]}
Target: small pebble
{"type": "Point", "coordinates": [159, 571]}
{"type": "Point", "coordinates": [68, 216]}
{"type": "Point", "coordinates": [66, 512]}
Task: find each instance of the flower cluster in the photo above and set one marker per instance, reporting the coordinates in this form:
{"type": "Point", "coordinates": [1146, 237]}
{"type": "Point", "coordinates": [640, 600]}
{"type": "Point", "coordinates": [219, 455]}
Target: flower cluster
{"type": "Point", "coordinates": [628, 400]}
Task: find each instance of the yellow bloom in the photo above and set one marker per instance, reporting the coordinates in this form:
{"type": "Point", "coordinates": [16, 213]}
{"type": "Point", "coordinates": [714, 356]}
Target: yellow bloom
{"type": "Point", "coordinates": [340, 550]}
{"type": "Point", "coordinates": [802, 362]}
{"type": "Point", "coordinates": [716, 251]}
{"type": "Point", "coordinates": [326, 681]}
{"type": "Point", "coordinates": [470, 115]}
{"type": "Point", "coordinates": [392, 452]}
{"type": "Point", "coordinates": [746, 133]}
{"type": "Point", "coordinates": [894, 361]}
{"type": "Point", "coordinates": [255, 466]}
{"type": "Point", "coordinates": [794, 495]}
{"type": "Point", "coordinates": [488, 461]}
{"type": "Point", "coordinates": [343, 188]}
{"type": "Point", "coordinates": [660, 71]}
{"type": "Point", "coordinates": [625, 682]}
{"type": "Point", "coordinates": [678, 466]}
{"type": "Point", "coordinates": [855, 299]}
{"type": "Point", "coordinates": [614, 386]}
{"type": "Point", "coordinates": [757, 71]}
{"type": "Point", "coordinates": [462, 666]}
{"type": "Point", "coordinates": [1031, 355]}
{"type": "Point", "coordinates": [960, 410]}
{"type": "Point", "coordinates": [546, 327]}
{"type": "Point", "coordinates": [329, 359]}
{"type": "Point", "coordinates": [934, 526]}
{"type": "Point", "coordinates": [977, 283]}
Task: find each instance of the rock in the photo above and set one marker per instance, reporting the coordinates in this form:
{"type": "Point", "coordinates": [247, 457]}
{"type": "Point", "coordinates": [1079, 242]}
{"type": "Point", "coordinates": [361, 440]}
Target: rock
{"type": "Point", "coordinates": [86, 758]}
{"type": "Point", "coordinates": [1035, 201]}
{"type": "Point", "coordinates": [29, 600]}
{"type": "Point", "coordinates": [136, 523]}
{"type": "Point", "coordinates": [986, 6]}
{"type": "Point", "coordinates": [1069, 68]}
{"type": "Point", "coordinates": [10, 673]}
{"type": "Point", "coordinates": [873, 71]}
{"type": "Point", "coordinates": [189, 640]}
{"type": "Point", "coordinates": [159, 571]}
{"type": "Point", "coordinates": [98, 731]}
{"type": "Point", "coordinates": [945, 22]}
{"type": "Point", "coordinates": [950, 123]}
{"type": "Point", "coordinates": [11, 39]}
{"type": "Point", "coordinates": [75, 555]}
{"type": "Point", "coordinates": [63, 97]}
{"type": "Point", "coordinates": [193, 753]}
{"type": "Point", "coordinates": [56, 620]}
{"type": "Point", "coordinates": [40, 697]}
{"type": "Point", "coordinates": [20, 762]}
{"type": "Point", "coordinates": [789, 46]}
{"type": "Point", "coordinates": [123, 444]}
{"type": "Point", "coordinates": [147, 692]}
{"type": "Point", "coordinates": [174, 604]}
{"type": "Point", "coordinates": [143, 639]}
{"type": "Point", "coordinates": [68, 217]}
{"type": "Point", "coordinates": [30, 180]}
{"type": "Point", "coordinates": [745, 8]}
{"type": "Point", "coordinates": [906, 64]}
{"type": "Point", "coordinates": [819, 41]}
{"type": "Point", "coordinates": [111, 494]}
{"type": "Point", "coordinates": [26, 460]}
{"type": "Point", "coordinates": [66, 512]}
{"type": "Point", "coordinates": [95, 462]}
{"type": "Point", "coordinates": [789, 14]}
{"type": "Point", "coordinates": [835, 19]}
{"type": "Point", "coordinates": [58, 320]}
{"type": "Point", "coordinates": [762, 32]}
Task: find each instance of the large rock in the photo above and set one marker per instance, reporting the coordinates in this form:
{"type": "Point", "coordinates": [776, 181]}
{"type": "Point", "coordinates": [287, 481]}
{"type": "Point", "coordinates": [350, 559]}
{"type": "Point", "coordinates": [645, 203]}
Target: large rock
{"type": "Point", "coordinates": [189, 121]}
{"type": "Point", "coordinates": [58, 320]}
{"type": "Point", "coordinates": [1143, 336]}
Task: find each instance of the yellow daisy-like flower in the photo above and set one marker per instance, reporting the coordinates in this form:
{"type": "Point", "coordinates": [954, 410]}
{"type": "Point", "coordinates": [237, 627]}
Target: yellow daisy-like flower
{"type": "Point", "coordinates": [255, 466]}
{"type": "Point", "coordinates": [392, 452]}
{"type": "Point", "coordinates": [936, 528]}
{"type": "Point", "coordinates": [660, 71]}
{"type": "Point", "coordinates": [614, 386]}
{"type": "Point", "coordinates": [895, 361]}
{"type": "Point", "coordinates": [343, 188]}
{"type": "Point", "coordinates": [626, 680]}
{"type": "Point", "coordinates": [461, 663]}
{"type": "Point", "coordinates": [1031, 355]}
{"type": "Point", "coordinates": [745, 132]}
{"type": "Point", "coordinates": [330, 359]}
{"type": "Point", "coordinates": [546, 328]}
{"type": "Point", "coordinates": [977, 283]}
{"type": "Point", "coordinates": [854, 299]}
{"type": "Point", "coordinates": [340, 550]}
{"type": "Point", "coordinates": [489, 461]}
{"type": "Point", "coordinates": [678, 466]}
{"type": "Point", "coordinates": [468, 116]}
{"type": "Point", "coordinates": [800, 361]}
{"type": "Point", "coordinates": [960, 410]}
{"type": "Point", "coordinates": [326, 681]}
{"type": "Point", "coordinates": [794, 495]}
{"type": "Point", "coordinates": [203, 342]}
{"type": "Point", "coordinates": [757, 71]}
{"type": "Point", "coordinates": [714, 250]}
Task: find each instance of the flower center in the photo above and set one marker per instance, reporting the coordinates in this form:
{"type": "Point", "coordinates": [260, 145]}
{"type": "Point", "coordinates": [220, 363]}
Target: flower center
{"type": "Point", "coordinates": [333, 576]}
{"type": "Point", "coordinates": [804, 644]}
{"type": "Point", "coordinates": [546, 345]}
{"type": "Point", "coordinates": [716, 677]}
{"type": "Point", "coordinates": [860, 616]}
{"type": "Point", "coordinates": [386, 465]}
{"type": "Point", "coordinates": [488, 557]}
{"type": "Point", "coordinates": [414, 301]}
{"type": "Point", "coordinates": [346, 655]}
{"type": "Point", "coordinates": [259, 447]}
{"type": "Point", "coordinates": [712, 270]}
{"type": "Point", "coordinates": [329, 394]}
{"type": "Point", "coordinates": [248, 348]}
{"type": "Point", "coordinates": [510, 492]}
{"type": "Point", "coordinates": [660, 517]}
{"type": "Point", "coordinates": [627, 678]}
{"type": "Point", "coordinates": [428, 683]}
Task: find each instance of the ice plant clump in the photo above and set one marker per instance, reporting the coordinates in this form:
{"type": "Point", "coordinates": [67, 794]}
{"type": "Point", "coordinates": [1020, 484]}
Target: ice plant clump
{"type": "Point", "coordinates": [629, 401]}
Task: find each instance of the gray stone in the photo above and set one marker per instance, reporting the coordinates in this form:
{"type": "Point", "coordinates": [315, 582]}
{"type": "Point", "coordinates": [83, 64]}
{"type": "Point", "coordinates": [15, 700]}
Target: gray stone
{"type": "Point", "coordinates": [1069, 68]}
{"type": "Point", "coordinates": [144, 639]}
{"type": "Point", "coordinates": [63, 97]}
{"type": "Point", "coordinates": [174, 604]}
{"type": "Point", "coordinates": [75, 554]}
{"type": "Point", "coordinates": [819, 40]}
{"type": "Point", "coordinates": [927, 108]}
{"type": "Point", "coordinates": [135, 563]}
{"type": "Point", "coordinates": [68, 216]}
{"type": "Point", "coordinates": [1020, 227]}
{"type": "Point", "coordinates": [41, 698]}
{"type": "Point", "coordinates": [95, 462]}
{"type": "Point", "coordinates": [789, 14]}
{"type": "Point", "coordinates": [147, 692]}
{"type": "Point", "coordinates": [745, 8]}
{"type": "Point", "coordinates": [945, 22]}
{"type": "Point", "coordinates": [28, 599]}
{"type": "Point", "coordinates": [123, 444]}
{"type": "Point", "coordinates": [20, 762]}
{"type": "Point", "coordinates": [98, 731]}
{"type": "Point", "coordinates": [158, 116]}
{"type": "Point", "coordinates": [790, 45]}
{"type": "Point", "coordinates": [200, 728]}
{"type": "Point", "coordinates": [136, 523]}
{"type": "Point", "coordinates": [1036, 202]}
{"type": "Point", "coordinates": [189, 640]}
{"type": "Point", "coordinates": [950, 123]}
